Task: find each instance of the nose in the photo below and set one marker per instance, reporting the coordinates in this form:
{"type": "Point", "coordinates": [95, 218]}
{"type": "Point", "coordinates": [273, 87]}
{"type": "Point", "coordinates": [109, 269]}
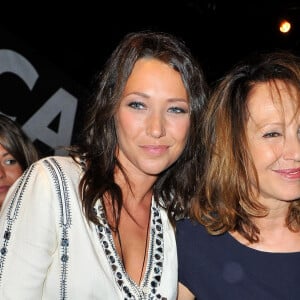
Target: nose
{"type": "Point", "coordinates": [292, 148]}
{"type": "Point", "coordinates": [156, 125]}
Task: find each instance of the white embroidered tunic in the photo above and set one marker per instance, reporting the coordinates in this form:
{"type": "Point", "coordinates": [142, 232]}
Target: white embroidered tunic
{"type": "Point", "coordinates": [49, 251]}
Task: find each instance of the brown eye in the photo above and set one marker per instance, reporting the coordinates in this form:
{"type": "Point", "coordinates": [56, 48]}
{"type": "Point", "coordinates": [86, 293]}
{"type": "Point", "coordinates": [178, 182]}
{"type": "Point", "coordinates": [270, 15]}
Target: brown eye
{"type": "Point", "coordinates": [10, 161]}
{"type": "Point", "coordinates": [271, 134]}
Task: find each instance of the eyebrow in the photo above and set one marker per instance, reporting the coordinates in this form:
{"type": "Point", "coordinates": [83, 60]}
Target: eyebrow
{"type": "Point", "coordinates": [263, 126]}
{"type": "Point", "coordinates": [5, 154]}
{"type": "Point", "coordinates": [147, 97]}
{"type": "Point", "coordinates": [137, 93]}
{"type": "Point", "coordinates": [178, 100]}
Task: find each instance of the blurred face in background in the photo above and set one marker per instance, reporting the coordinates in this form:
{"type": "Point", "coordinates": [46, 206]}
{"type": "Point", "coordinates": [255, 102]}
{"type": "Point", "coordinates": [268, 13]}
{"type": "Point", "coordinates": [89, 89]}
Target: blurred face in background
{"type": "Point", "coordinates": [10, 171]}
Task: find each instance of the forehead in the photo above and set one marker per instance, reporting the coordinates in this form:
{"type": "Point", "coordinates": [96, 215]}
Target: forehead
{"type": "Point", "coordinates": [149, 66]}
{"type": "Point", "coordinates": [274, 96]}
{"type": "Point", "coordinates": [153, 76]}
{"type": "Point", "coordinates": [2, 149]}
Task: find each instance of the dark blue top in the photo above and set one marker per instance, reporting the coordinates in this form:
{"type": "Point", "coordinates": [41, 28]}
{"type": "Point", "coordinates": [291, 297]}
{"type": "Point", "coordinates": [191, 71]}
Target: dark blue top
{"type": "Point", "coordinates": [221, 268]}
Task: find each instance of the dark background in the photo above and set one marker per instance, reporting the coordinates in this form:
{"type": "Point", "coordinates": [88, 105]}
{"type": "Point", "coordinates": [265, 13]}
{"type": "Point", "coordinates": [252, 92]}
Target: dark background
{"type": "Point", "coordinates": [67, 43]}
{"type": "Point", "coordinates": [78, 36]}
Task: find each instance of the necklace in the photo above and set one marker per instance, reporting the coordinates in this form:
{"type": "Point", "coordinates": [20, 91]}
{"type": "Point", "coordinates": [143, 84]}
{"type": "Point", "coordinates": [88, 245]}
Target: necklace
{"type": "Point", "coordinates": [145, 249]}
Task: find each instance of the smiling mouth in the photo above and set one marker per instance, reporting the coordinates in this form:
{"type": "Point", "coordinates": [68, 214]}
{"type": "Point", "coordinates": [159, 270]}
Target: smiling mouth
{"type": "Point", "coordinates": [153, 149]}
{"type": "Point", "coordinates": [290, 173]}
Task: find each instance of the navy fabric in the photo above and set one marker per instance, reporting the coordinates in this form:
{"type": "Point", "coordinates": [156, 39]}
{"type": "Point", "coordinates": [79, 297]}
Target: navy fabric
{"type": "Point", "coordinates": [219, 267]}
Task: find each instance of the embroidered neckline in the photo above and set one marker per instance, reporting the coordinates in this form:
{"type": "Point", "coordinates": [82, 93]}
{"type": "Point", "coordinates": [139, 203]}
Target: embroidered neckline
{"type": "Point", "coordinates": [152, 277]}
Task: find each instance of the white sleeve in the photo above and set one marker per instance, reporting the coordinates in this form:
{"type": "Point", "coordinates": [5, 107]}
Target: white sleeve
{"type": "Point", "coordinates": [28, 234]}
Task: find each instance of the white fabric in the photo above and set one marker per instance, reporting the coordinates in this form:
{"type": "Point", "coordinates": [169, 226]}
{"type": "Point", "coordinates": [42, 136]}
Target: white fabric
{"type": "Point", "coordinates": [49, 251]}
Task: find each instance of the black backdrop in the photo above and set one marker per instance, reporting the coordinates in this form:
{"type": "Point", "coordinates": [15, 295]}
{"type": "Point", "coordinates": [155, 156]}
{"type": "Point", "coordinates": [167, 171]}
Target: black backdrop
{"type": "Point", "coordinates": [50, 51]}
{"type": "Point", "coordinates": [44, 100]}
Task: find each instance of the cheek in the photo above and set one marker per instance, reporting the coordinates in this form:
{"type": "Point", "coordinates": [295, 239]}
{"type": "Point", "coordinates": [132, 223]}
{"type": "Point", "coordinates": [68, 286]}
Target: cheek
{"type": "Point", "coordinates": [180, 130]}
{"type": "Point", "coordinates": [127, 130]}
{"type": "Point", "coordinates": [14, 173]}
{"type": "Point", "coordinates": [127, 123]}
{"type": "Point", "coordinates": [265, 157]}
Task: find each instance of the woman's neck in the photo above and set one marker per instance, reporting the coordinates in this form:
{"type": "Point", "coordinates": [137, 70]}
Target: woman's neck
{"type": "Point", "coordinates": [274, 235]}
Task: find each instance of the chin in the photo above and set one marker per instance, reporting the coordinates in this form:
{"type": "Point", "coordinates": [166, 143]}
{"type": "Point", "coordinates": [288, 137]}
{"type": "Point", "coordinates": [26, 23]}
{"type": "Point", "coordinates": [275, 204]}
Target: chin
{"type": "Point", "coordinates": [291, 198]}
{"type": "Point", "coordinates": [153, 172]}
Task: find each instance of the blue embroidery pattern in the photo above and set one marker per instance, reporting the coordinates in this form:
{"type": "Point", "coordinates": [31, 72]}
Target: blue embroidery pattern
{"type": "Point", "coordinates": [62, 193]}
{"type": "Point", "coordinates": [130, 290]}
{"type": "Point", "coordinates": [12, 215]}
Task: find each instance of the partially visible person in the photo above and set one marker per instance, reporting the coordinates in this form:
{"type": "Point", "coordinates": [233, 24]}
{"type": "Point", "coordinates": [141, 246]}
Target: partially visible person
{"type": "Point", "coordinates": [242, 240]}
{"type": "Point", "coordinates": [100, 224]}
{"type": "Point", "coordinates": [17, 153]}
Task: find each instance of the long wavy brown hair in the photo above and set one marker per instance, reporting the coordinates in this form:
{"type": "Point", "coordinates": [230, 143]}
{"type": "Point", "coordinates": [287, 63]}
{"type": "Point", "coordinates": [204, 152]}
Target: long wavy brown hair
{"type": "Point", "coordinates": [226, 201]}
{"type": "Point", "coordinates": [176, 185]}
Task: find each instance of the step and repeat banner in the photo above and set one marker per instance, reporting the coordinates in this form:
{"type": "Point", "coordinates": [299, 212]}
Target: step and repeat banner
{"type": "Point", "coordinates": [44, 100]}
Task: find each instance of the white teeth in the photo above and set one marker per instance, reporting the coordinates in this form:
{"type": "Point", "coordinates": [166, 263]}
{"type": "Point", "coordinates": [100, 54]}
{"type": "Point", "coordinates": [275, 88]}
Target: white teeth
{"type": "Point", "coordinates": [293, 173]}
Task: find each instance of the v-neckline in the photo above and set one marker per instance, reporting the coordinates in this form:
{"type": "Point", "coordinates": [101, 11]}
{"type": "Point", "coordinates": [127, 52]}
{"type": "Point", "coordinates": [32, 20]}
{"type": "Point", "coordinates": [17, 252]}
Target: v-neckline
{"type": "Point", "coordinates": [155, 255]}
